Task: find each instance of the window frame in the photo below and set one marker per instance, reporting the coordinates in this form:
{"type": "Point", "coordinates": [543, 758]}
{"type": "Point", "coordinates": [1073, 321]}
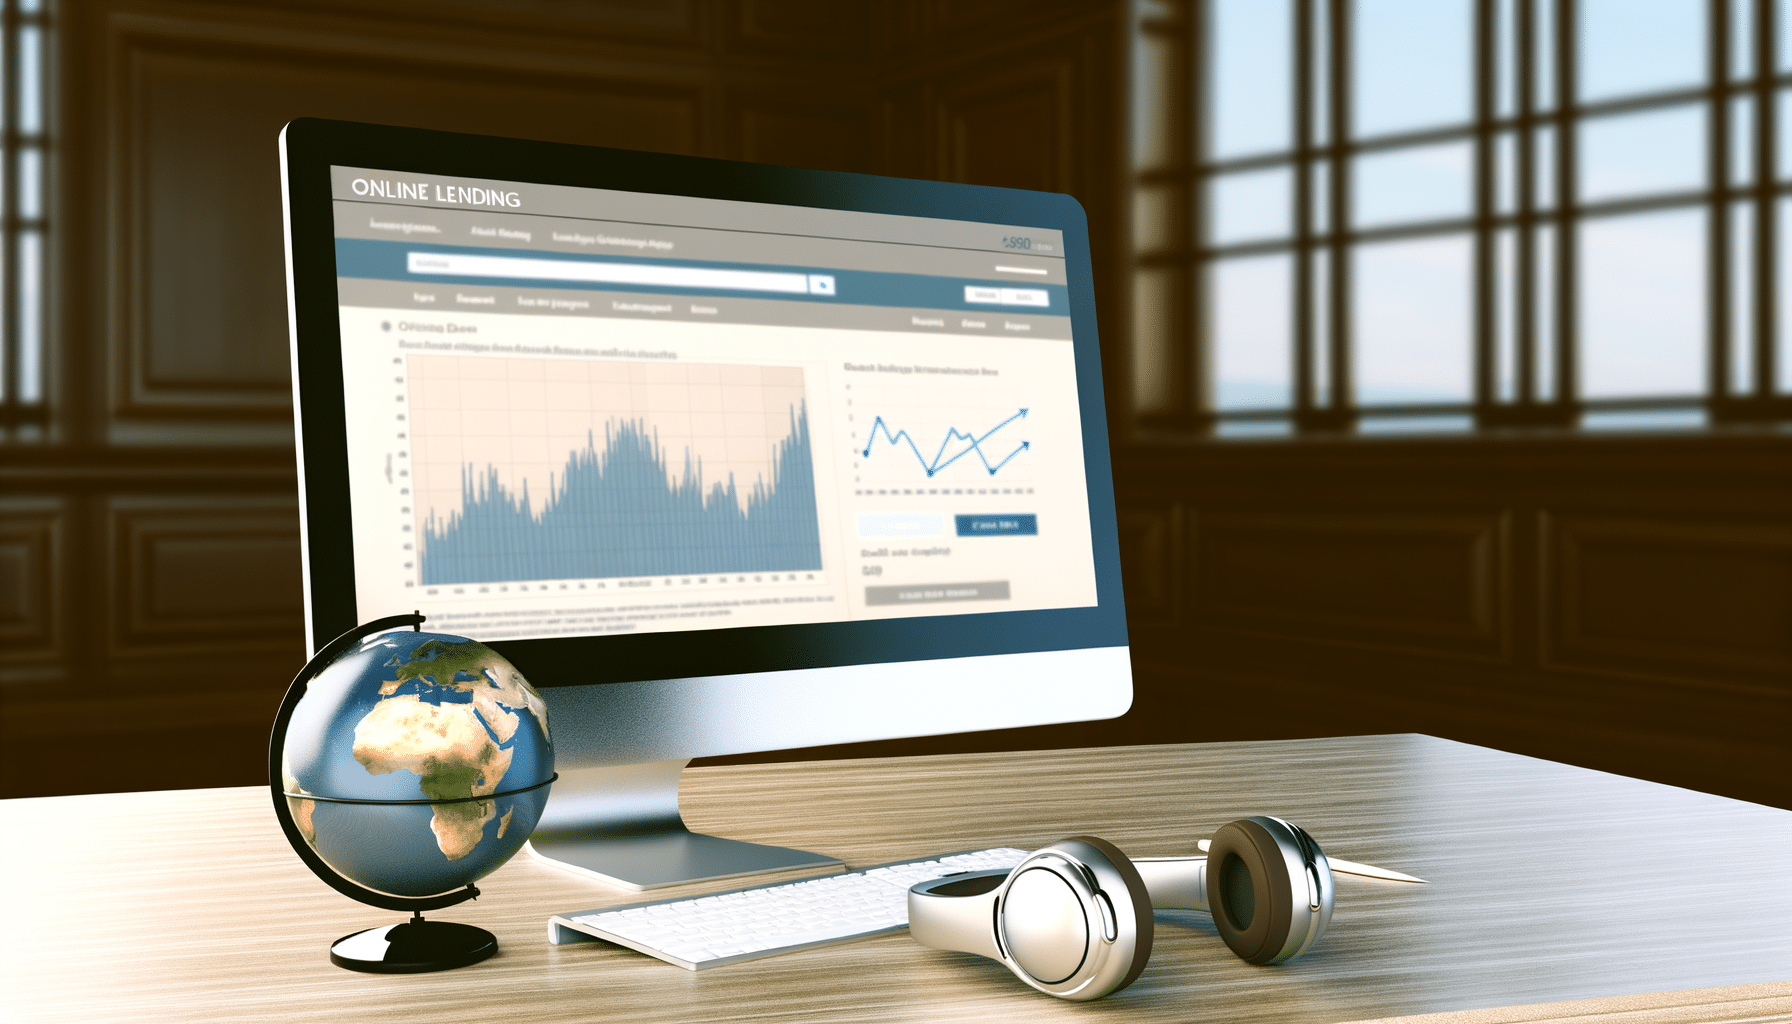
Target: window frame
{"type": "Point", "coordinates": [1323, 394]}
{"type": "Point", "coordinates": [24, 304]}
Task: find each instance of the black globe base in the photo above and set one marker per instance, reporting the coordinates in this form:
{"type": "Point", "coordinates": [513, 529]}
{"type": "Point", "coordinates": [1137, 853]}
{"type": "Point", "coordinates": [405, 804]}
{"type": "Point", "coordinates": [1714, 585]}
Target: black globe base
{"type": "Point", "coordinates": [413, 947]}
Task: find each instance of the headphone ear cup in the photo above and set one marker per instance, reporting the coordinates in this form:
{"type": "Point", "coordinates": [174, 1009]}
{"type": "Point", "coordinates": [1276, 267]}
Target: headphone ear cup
{"type": "Point", "coordinates": [1072, 919]}
{"type": "Point", "coordinates": [1251, 890]}
{"type": "Point", "coordinates": [1145, 928]}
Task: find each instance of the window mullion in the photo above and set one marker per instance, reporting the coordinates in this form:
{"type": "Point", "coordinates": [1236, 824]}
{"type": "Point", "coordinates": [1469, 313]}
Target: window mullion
{"type": "Point", "coordinates": [1567, 386]}
{"type": "Point", "coordinates": [11, 411]}
{"type": "Point", "coordinates": [1341, 409]}
{"type": "Point", "coordinates": [1302, 312]}
{"type": "Point", "coordinates": [1717, 142]}
{"type": "Point", "coordinates": [1191, 338]}
{"type": "Point", "coordinates": [1485, 292]}
{"type": "Point", "coordinates": [1766, 203]}
{"type": "Point", "coordinates": [1525, 259]}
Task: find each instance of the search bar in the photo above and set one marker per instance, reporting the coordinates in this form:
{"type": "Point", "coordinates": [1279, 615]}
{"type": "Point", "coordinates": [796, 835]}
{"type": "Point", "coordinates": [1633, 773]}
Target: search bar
{"type": "Point", "coordinates": [520, 268]}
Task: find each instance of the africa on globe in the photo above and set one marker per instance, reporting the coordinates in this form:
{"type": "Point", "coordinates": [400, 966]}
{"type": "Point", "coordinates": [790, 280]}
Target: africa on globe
{"type": "Point", "coordinates": [416, 762]}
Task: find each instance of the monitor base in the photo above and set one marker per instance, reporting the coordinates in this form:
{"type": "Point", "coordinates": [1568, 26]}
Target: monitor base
{"type": "Point", "coordinates": [653, 860]}
{"type": "Point", "coordinates": [621, 825]}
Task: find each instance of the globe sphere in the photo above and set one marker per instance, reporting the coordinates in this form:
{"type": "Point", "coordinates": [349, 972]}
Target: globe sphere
{"type": "Point", "coordinates": [417, 763]}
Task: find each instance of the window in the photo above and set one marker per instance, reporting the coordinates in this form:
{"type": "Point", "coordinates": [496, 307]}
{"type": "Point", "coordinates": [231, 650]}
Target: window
{"type": "Point", "coordinates": [24, 223]}
{"type": "Point", "coordinates": [1386, 215]}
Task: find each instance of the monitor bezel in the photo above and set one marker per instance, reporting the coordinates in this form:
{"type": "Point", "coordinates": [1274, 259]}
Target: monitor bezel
{"type": "Point", "coordinates": [310, 147]}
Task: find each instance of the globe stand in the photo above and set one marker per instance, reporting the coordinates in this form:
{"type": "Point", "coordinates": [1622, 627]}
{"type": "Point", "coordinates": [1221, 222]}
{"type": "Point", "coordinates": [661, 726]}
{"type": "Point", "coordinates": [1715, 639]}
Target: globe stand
{"type": "Point", "coordinates": [414, 947]}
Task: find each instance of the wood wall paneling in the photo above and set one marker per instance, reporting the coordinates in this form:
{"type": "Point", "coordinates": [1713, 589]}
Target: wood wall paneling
{"type": "Point", "coordinates": [205, 337]}
{"type": "Point", "coordinates": [1641, 626]}
{"type": "Point", "coordinates": [805, 28]}
{"type": "Point", "coordinates": [180, 646]}
{"type": "Point", "coordinates": [1151, 561]}
{"type": "Point", "coordinates": [32, 549]}
{"type": "Point", "coordinates": [903, 143]}
{"type": "Point", "coordinates": [1433, 584]}
{"type": "Point", "coordinates": [927, 26]}
{"type": "Point", "coordinates": [678, 22]}
{"type": "Point", "coordinates": [778, 129]}
{"type": "Point", "coordinates": [1011, 125]}
{"type": "Point", "coordinates": [202, 287]}
{"type": "Point", "coordinates": [668, 26]}
{"type": "Point", "coordinates": [1691, 601]}
{"type": "Point", "coordinates": [197, 576]}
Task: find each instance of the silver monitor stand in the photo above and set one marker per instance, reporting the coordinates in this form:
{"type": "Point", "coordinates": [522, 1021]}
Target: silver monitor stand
{"type": "Point", "coordinates": [631, 833]}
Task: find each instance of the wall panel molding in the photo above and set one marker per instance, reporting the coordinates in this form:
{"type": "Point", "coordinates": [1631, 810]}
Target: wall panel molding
{"type": "Point", "coordinates": [1011, 125]}
{"type": "Point", "coordinates": [211, 577]}
{"type": "Point", "coordinates": [33, 550]}
{"type": "Point", "coordinates": [808, 28]}
{"type": "Point", "coordinates": [1702, 602]}
{"type": "Point", "coordinates": [771, 127]}
{"type": "Point", "coordinates": [917, 37]}
{"type": "Point", "coordinates": [368, 33]}
{"type": "Point", "coordinates": [1423, 584]}
{"type": "Point", "coordinates": [1152, 562]}
{"type": "Point", "coordinates": [683, 23]}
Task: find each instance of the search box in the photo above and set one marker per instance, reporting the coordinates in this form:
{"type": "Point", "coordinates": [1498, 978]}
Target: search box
{"type": "Point", "coordinates": [520, 268]}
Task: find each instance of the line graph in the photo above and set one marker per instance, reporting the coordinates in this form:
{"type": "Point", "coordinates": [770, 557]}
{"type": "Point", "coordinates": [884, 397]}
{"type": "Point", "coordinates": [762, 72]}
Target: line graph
{"type": "Point", "coordinates": [940, 460]}
{"type": "Point", "coordinates": [536, 469]}
{"type": "Point", "coordinates": [613, 512]}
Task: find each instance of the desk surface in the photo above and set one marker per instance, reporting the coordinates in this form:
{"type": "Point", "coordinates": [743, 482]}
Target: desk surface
{"type": "Point", "coordinates": [1548, 884]}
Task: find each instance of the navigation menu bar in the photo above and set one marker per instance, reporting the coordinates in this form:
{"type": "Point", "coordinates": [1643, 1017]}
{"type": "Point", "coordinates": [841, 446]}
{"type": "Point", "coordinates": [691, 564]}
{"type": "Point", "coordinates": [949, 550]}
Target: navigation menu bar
{"type": "Point", "coordinates": [381, 294]}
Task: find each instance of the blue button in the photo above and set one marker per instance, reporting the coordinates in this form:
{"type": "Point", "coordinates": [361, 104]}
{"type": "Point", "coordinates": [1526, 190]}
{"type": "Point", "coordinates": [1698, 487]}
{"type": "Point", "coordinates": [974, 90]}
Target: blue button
{"type": "Point", "coordinates": [998, 526]}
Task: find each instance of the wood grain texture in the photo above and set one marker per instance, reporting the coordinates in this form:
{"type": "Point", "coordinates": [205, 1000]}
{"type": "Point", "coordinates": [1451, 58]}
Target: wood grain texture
{"type": "Point", "coordinates": [1561, 892]}
{"type": "Point", "coordinates": [1732, 1004]}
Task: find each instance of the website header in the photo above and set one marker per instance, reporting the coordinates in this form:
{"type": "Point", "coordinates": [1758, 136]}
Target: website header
{"type": "Point", "coordinates": [362, 184]}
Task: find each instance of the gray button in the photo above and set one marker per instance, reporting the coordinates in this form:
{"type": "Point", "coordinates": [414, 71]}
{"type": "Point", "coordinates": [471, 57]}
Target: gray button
{"type": "Point", "coordinates": [935, 593]}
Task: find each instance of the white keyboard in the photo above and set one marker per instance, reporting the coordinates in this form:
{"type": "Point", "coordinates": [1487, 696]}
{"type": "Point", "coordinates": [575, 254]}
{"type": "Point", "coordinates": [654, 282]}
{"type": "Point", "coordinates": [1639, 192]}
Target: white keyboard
{"type": "Point", "coordinates": [746, 924]}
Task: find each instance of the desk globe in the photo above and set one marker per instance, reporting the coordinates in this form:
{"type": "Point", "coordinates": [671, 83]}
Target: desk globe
{"type": "Point", "coordinates": [405, 766]}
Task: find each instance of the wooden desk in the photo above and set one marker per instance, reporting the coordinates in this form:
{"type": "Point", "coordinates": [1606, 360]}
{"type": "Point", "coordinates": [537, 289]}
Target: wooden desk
{"type": "Point", "coordinates": [1548, 884]}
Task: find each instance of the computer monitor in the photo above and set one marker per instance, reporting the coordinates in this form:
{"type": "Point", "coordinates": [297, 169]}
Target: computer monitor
{"type": "Point", "coordinates": [723, 457]}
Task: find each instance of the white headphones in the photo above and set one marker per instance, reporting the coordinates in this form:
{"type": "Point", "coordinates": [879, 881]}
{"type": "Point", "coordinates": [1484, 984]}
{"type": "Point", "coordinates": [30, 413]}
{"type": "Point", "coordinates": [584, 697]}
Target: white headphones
{"type": "Point", "coordinates": [1074, 920]}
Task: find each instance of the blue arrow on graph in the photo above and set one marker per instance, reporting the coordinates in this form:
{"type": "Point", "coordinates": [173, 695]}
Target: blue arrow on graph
{"type": "Point", "coordinates": [940, 461]}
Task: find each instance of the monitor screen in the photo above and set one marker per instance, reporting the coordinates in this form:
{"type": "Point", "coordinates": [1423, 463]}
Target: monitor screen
{"type": "Point", "coordinates": [723, 458]}
{"type": "Point", "coordinates": [633, 397]}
